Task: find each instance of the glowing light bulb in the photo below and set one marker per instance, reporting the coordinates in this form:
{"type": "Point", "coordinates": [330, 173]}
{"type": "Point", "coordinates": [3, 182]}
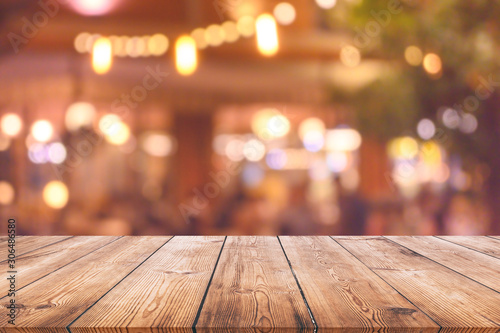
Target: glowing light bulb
{"type": "Point", "coordinates": [102, 55]}
{"type": "Point", "coordinates": [186, 58]}
{"type": "Point", "coordinates": [267, 35]}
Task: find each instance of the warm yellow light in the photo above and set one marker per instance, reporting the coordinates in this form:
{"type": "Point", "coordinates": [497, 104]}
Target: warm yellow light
{"type": "Point", "coordinates": [231, 33]}
{"type": "Point", "coordinates": [81, 42]}
{"type": "Point", "coordinates": [432, 63]}
{"type": "Point", "coordinates": [102, 55]}
{"type": "Point", "coordinates": [246, 26]}
{"type": "Point", "coordinates": [158, 44]}
{"type": "Point", "coordinates": [6, 193]}
{"type": "Point", "coordinates": [267, 35]}
{"type": "Point", "coordinates": [186, 58]}
{"type": "Point", "coordinates": [78, 115]}
{"type": "Point", "coordinates": [157, 144]}
{"type": "Point", "coordinates": [199, 38]}
{"type": "Point", "coordinates": [342, 139]}
{"type": "Point", "coordinates": [107, 123]}
{"type": "Point", "coordinates": [42, 130]}
{"type": "Point", "coordinates": [413, 55]}
{"type": "Point", "coordinates": [214, 35]}
{"type": "Point", "coordinates": [311, 125]}
{"type": "Point", "coordinates": [55, 194]}
{"type": "Point", "coordinates": [118, 134]}
{"type": "Point", "coordinates": [11, 124]}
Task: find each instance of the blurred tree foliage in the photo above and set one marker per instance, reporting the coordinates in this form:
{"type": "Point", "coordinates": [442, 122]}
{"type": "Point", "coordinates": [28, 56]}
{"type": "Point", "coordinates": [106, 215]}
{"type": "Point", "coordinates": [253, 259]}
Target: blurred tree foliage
{"type": "Point", "coordinates": [466, 36]}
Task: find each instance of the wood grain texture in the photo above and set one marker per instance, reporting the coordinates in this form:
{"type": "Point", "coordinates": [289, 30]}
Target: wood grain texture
{"type": "Point", "coordinates": [342, 292]}
{"type": "Point", "coordinates": [59, 298]}
{"type": "Point", "coordinates": [450, 299]}
{"type": "Point", "coordinates": [475, 265]}
{"type": "Point", "coordinates": [483, 244]}
{"type": "Point", "coordinates": [166, 291]}
{"type": "Point", "coordinates": [45, 260]}
{"type": "Point", "coordinates": [26, 244]}
{"type": "Point", "coordinates": [487, 245]}
{"type": "Point", "coordinates": [253, 287]}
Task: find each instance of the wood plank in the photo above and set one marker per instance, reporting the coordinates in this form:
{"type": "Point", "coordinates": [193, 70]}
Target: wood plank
{"type": "Point", "coordinates": [343, 293]}
{"type": "Point", "coordinates": [37, 263]}
{"type": "Point", "coordinates": [59, 298]}
{"type": "Point", "coordinates": [165, 291]}
{"type": "Point", "coordinates": [475, 265]}
{"type": "Point", "coordinates": [483, 244]}
{"type": "Point", "coordinates": [450, 299]}
{"type": "Point", "coordinates": [253, 287]}
{"type": "Point", "coordinates": [26, 244]}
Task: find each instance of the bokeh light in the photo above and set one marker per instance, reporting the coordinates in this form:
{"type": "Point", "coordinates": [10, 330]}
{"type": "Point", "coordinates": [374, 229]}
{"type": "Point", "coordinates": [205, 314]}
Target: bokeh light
{"type": "Point", "coordinates": [214, 35]}
{"type": "Point", "coordinates": [118, 134]}
{"type": "Point", "coordinates": [254, 150]}
{"type": "Point", "coordinates": [451, 118]}
{"type": "Point", "coordinates": [199, 38]}
{"type": "Point", "coordinates": [55, 194]}
{"type": "Point", "coordinates": [284, 13]}
{"type": "Point", "coordinates": [56, 153]}
{"type": "Point", "coordinates": [432, 63]}
{"type": "Point", "coordinates": [92, 7]}
{"type": "Point", "coordinates": [313, 141]}
{"type": "Point", "coordinates": [342, 139]}
{"type": "Point", "coordinates": [326, 4]}
{"type": "Point", "coordinates": [79, 115]}
{"type": "Point", "coordinates": [186, 58]}
{"type": "Point", "coordinates": [158, 44]}
{"type": "Point", "coordinates": [157, 144]}
{"type": "Point", "coordinates": [276, 159]}
{"type": "Point", "coordinates": [11, 124]}
{"type": "Point", "coordinates": [312, 124]}
{"type": "Point", "coordinates": [336, 161]}
{"type": "Point", "coordinates": [426, 129]}
{"type": "Point", "coordinates": [246, 26]}
{"type": "Point", "coordinates": [468, 123]}
{"type": "Point", "coordinates": [37, 153]}
{"type": "Point", "coordinates": [42, 130]}
{"type": "Point", "coordinates": [413, 55]}
{"type": "Point", "coordinates": [231, 33]}
{"type": "Point", "coordinates": [267, 35]}
{"type": "Point", "coordinates": [7, 193]}
{"type": "Point", "coordinates": [102, 55]}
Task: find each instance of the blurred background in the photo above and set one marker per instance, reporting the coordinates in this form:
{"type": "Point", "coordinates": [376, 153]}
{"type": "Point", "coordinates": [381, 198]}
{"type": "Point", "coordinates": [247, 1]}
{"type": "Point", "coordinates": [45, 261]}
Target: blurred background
{"type": "Point", "coordinates": [121, 117]}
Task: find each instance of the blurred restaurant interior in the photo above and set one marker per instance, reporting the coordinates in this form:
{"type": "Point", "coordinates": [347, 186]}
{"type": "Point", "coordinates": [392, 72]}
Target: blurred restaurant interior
{"type": "Point", "coordinates": [250, 117]}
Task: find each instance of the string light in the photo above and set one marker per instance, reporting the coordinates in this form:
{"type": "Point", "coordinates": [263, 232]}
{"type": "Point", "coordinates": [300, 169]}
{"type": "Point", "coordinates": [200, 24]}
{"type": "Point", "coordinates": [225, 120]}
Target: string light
{"type": "Point", "coordinates": [186, 58]}
{"type": "Point", "coordinates": [267, 35]}
{"type": "Point", "coordinates": [102, 55]}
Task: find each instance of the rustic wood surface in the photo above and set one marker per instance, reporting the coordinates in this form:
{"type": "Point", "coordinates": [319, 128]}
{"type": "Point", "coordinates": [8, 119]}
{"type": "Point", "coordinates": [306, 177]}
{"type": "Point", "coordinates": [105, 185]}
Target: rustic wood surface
{"type": "Point", "coordinates": [253, 283]}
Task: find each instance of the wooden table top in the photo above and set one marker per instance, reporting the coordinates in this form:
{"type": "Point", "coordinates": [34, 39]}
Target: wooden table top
{"type": "Point", "coordinates": [101, 283]}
